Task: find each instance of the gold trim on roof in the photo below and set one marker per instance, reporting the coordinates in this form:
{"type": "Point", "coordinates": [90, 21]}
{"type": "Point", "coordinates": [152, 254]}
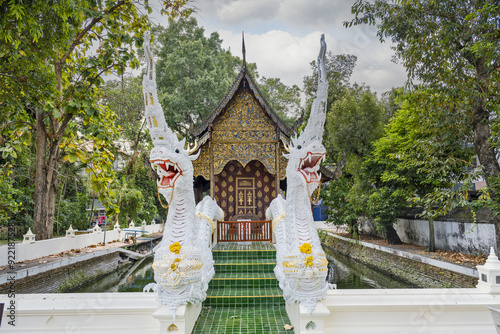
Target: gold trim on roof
{"type": "Point", "coordinates": [201, 166]}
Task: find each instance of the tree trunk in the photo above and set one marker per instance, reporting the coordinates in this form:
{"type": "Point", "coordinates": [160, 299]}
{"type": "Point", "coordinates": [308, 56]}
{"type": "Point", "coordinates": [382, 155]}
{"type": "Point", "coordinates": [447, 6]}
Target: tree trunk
{"type": "Point", "coordinates": [41, 186]}
{"type": "Point", "coordinates": [392, 236]}
{"type": "Point", "coordinates": [46, 175]}
{"type": "Point", "coordinates": [432, 240]}
{"type": "Point", "coordinates": [485, 153]}
{"type": "Point", "coordinates": [482, 133]}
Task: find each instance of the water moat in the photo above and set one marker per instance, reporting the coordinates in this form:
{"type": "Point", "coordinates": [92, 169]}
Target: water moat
{"type": "Point", "coordinates": [348, 274]}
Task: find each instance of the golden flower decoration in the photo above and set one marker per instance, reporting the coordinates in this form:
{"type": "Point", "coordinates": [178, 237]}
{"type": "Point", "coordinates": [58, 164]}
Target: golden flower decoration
{"type": "Point", "coordinates": [309, 261]}
{"type": "Point", "coordinates": [174, 266]}
{"type": "Point", "coordinates": [175, 247]}
{"type": "Point", "coordinates": [305, 248]}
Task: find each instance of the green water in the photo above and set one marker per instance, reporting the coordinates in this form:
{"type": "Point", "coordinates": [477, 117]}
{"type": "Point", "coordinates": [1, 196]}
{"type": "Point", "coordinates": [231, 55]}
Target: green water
{"type": "Point", "coordinates": [347, 274]}
{"type": "Point", "coordinates": [130, 278]}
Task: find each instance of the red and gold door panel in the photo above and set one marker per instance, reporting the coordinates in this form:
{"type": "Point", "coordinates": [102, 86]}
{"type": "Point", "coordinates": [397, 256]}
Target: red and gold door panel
{"type": "Point", "coordinates": [244, 190]}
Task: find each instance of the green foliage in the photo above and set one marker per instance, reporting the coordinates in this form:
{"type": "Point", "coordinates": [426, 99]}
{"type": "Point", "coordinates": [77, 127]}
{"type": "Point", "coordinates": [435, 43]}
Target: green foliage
{"type": "Point", "coordinates": [424, 153]}
{"type": "Point", "coordinates": [341, 211]}
{"type": "Point", "coordinates": [125, 99]}
{"type": "Point", "coordinates": [53, 55]}
{"type": "Point", "coordinates": [137, 192]}
{"type": "Point", "coordinates": [8, 204]}
{"type": "Point", "coordinates": [354, 121]}
{"type": "Point", "coordinates": [193, 72]}
{"type": "Point", "coordinates": [384, 206]}
{"type": "Point", "coordinates": [284, 100]}
{"type": "Point", "coordinates": [451, 48]}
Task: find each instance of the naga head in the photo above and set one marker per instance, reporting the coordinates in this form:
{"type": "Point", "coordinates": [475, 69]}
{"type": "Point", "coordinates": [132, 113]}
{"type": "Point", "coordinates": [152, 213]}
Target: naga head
{"type": "Point", "coordinates": [172, 163]}
{"type": "Point", "coordinates": [306, 150]}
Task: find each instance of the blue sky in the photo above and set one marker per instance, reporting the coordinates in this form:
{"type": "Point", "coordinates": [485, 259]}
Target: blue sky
{"type": "Point", "coordinates": [282, 37]}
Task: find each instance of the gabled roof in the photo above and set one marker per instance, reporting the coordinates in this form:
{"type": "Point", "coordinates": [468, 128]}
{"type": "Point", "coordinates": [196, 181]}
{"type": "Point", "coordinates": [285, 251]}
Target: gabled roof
{"type": "Point", "coordinates": [244, 74]}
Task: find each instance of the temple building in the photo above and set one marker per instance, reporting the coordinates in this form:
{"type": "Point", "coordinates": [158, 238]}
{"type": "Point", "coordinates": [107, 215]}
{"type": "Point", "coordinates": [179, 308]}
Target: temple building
{"type": "Point", "coordinates": [242, 143]}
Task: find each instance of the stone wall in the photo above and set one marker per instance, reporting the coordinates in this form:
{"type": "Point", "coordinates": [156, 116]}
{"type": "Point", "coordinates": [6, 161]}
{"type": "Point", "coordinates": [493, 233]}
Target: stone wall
{"type": "Point", "coordinates": [51, 280]}
{"type": "Point", "coordinates": [404, 269]}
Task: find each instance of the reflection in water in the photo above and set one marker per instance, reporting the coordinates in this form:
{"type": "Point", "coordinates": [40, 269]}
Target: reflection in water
{"type": "Point", "coordinates": [130, 278]}
{"type": "Point", "coordinates": [350, 274]}
{"type": "Point", "coordinates": [344, 272]}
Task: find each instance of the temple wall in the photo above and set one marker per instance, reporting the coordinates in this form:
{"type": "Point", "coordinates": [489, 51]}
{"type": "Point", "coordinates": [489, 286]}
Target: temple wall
{"type": "Point", "coordinates": [405, 311]}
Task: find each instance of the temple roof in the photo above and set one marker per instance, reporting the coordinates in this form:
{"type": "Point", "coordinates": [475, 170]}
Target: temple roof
{"type": "Point", "coordinates": [243, 75]}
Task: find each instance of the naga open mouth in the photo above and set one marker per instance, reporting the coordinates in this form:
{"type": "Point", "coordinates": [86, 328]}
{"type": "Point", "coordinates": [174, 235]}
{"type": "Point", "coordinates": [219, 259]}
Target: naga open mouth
{"type": "Point", "coordinates": [168, 172]}
{"type": "Point", "coordinates": [309, 166]}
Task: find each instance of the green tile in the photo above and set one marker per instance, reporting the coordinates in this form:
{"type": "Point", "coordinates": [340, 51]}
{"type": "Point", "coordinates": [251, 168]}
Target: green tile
{"type": "Point", "coordinates": [244, 296]}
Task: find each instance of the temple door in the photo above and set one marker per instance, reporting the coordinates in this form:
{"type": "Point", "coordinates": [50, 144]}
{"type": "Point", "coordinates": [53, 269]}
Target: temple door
{"type": "Point", "coordinates": [244, 192]}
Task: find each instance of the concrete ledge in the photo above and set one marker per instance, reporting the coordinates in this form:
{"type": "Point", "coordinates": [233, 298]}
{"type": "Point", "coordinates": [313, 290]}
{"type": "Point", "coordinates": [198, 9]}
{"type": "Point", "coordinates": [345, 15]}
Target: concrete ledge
{"type": "Point", "coordinates": [430, 311]}
{"type": "Point", "coordinates": [400, 311]}
{"type": "Point", "coordinates": [97, 313]}
{"type": "Point", "coordinates": [415, 257]}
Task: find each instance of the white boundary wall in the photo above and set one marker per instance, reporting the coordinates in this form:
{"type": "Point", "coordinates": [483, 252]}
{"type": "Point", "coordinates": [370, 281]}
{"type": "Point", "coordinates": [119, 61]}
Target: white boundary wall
{"type": "Point", "coordinates": [397, 311]}
{"type": "Point", "coordinates": [448, 235]}
{"type": "Point", "coordinates": [106, 313]}
{"type": "Point", "coordinates": [42, 248]}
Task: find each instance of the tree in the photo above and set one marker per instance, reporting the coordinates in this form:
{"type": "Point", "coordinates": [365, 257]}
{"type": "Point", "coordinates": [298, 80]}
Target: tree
{"type": "Point", "coordinates": [50, 79]}
{"type": "Point", "coordinates": [354, 122]}
{"type": "Point", "coordinates": [284, 100]}
{"type": "Point", "coordinates": [420, 162]}
{"type": "Point", "coordinates": [125, 99]}
{"type": "Point", "coordinates": [451, 47]}
{"type": "Point", "coordinates": [338, 71]}
{"type": "Point", "coordinates": [193, 72]}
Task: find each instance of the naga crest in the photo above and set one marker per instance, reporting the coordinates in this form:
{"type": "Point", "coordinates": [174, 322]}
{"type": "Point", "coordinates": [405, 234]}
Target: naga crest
{"type": "Point", "coordinates": [301, 262]}
{"type": "Point", "coordinates": [178, 263]}
{"type": "Point", "coordinates": [172, 163]}
{"type": "Point", "coordinates": [306, 150]}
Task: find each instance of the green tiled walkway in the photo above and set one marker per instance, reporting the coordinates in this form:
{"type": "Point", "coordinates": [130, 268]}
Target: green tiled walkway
{"type": "Point", "coordinates": [244, 296]}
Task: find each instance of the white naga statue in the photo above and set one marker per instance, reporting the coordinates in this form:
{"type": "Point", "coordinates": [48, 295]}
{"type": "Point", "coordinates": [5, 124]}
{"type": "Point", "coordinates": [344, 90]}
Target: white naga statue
{"type": "Point", "coordinates": [183, 264]}
{"type": "Point", "coordinates": [301, 263]}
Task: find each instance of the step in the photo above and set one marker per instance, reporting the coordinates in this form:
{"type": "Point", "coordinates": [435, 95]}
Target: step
{"type": "Point", "coordinates": [248, 320]}
{"type": "Point", "coordinates": [243, 280]}
{"type": "Point", "coordinates": [222, 255]}
{"type": "Point", "coordinates": [245, 265]}
{"type": "Point", "coordinates": [243, 246]}
{"type": "Point", "coordinates": [244, 297]}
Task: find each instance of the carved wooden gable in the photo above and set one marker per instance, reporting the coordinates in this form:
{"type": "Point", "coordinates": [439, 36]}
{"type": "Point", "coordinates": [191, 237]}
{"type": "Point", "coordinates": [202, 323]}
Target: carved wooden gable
{"type": "Point", "coordinates": [243, 132]}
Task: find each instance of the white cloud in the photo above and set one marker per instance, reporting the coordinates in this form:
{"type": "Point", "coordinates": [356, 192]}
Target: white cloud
{"type": "Point", "coordinates": [232, 11]}
{"type": "Point", "coordinates": [278, 53]}
{"type": "Point", "coordinates": [286, 56]}
{"type": "Point", "coordinates": [282, 38]}
{"type": "Point", "coordinates": [317, 14]}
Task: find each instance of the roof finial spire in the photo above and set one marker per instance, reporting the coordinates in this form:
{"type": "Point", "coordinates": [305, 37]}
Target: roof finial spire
{"type": "Point", "coordinates": [243, 49]}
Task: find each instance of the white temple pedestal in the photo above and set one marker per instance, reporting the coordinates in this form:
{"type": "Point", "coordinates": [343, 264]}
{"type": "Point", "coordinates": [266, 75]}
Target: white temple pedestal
{"type": "Point", "coordinates": [305, 323]}
{"type": "Point", "coordinates": [185, 318]}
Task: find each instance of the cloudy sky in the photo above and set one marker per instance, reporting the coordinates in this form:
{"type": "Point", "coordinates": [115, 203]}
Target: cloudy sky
{"type": "Point", "coordinates": [282, 37]}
